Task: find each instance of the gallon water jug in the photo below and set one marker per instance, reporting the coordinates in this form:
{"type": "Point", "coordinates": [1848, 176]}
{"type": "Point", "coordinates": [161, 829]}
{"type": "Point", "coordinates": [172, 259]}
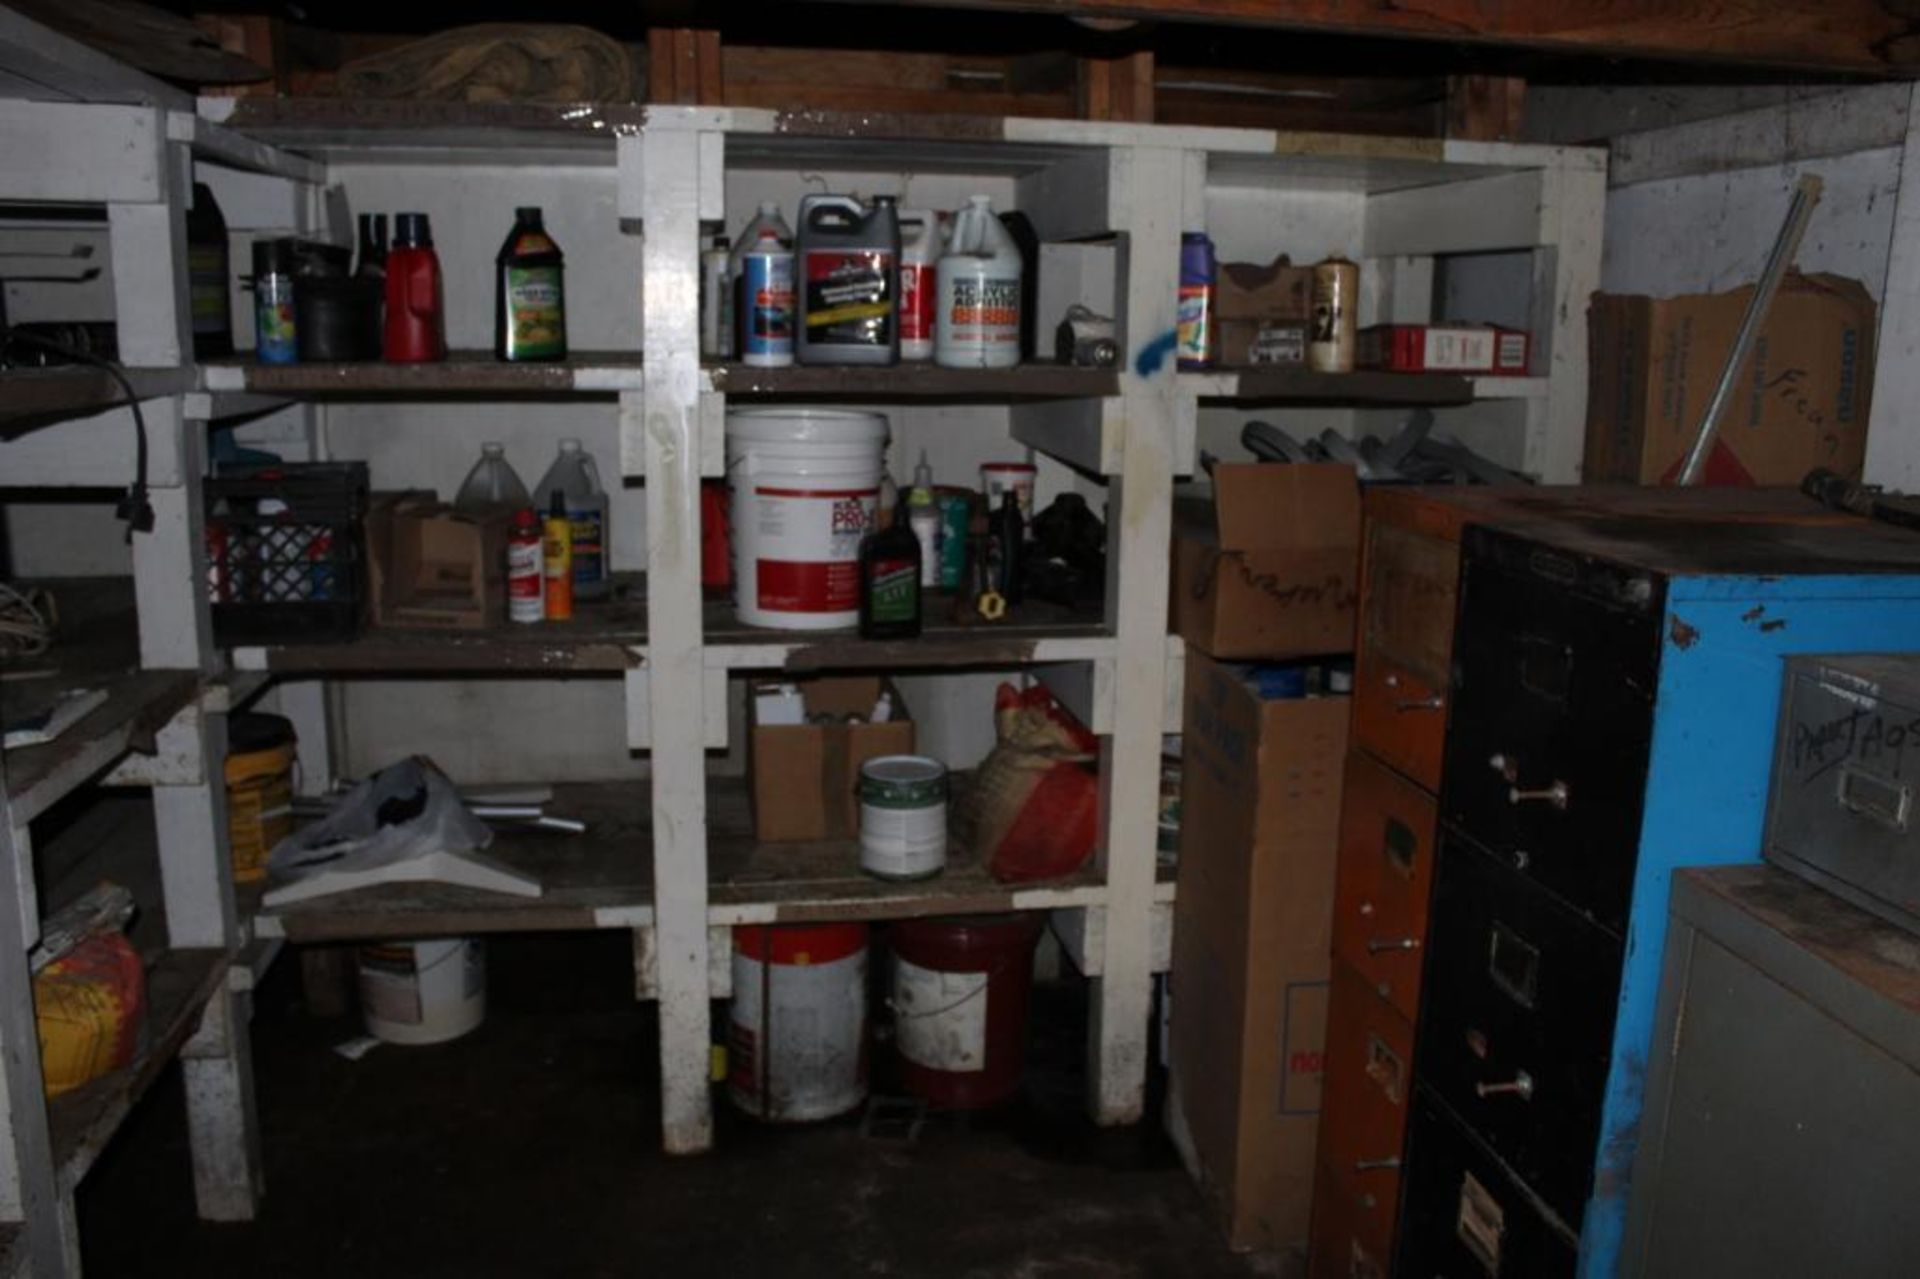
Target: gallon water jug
{"type": "Point", "coordinates": [849, 268]}
{"type": "Point", "coordinates": [978, 325]}
{"type": "Point", "coordinates": [492, 483]}
{"type": "Point", "coordinates": [574, 476]}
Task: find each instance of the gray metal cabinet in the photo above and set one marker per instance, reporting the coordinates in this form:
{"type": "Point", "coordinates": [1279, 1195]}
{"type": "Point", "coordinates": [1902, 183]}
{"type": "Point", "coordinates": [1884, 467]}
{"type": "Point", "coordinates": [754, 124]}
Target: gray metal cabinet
{"type": "Point", "coordinates": [1781, 1134]}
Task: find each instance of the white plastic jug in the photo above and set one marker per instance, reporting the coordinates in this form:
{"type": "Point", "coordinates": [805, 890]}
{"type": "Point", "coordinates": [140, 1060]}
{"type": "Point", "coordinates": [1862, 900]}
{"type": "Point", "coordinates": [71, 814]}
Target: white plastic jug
{"type": "Point", "coordinates": [575, 477]}
{"type": "Point", "coordinates": [491, 483]}
{"type": "Point", "coordinates": [978, 326]}
{"type": "Point", "coordinates": [920, 247]}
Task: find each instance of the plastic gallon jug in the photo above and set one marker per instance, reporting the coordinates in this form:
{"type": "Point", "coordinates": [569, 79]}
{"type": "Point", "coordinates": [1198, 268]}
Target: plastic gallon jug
{"type": "Point", "coordinates": [762, 271]}
{"type": "Point", "coordinates": [920, 245]}
{"type": "Point", "coordinates": [491, 483]}
{"type": "Point", "coordinates": [848, 257]}
{"type": "Point", "coordinates": [574, 476]}
{"type": "Point", "coordinates": [978, 326]}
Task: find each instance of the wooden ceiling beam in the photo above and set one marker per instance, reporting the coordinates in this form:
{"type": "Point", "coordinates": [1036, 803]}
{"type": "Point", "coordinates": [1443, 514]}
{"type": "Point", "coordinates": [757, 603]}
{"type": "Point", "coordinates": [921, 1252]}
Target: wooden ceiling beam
{"type": "Point", "coordinates": [1853, 37]}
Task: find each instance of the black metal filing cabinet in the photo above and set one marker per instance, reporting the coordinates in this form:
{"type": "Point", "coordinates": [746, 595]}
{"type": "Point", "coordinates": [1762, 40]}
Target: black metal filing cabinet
{"type": "Point", "coordinates": [1615, 686]}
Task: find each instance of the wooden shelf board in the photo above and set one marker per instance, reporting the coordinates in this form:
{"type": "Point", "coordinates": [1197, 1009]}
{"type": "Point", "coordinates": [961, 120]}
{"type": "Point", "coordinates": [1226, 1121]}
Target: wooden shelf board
{"type": "Point", "coordinates": [83, 1121]}
{"type": "Point", "coordinates": [461, 373]}
{"type": "Point", "coordinates": [1292, 385]}
{"type": "Point", "coordinates": [604, 879]}
{"type": "Point", "coordinates": [47, 395]}
{"type": "Point", "coordinates": [609, 637]}
{"type": "Point", "coordinates": [915, 381]}
{"type": "Point", "coordinates": [94, 647]}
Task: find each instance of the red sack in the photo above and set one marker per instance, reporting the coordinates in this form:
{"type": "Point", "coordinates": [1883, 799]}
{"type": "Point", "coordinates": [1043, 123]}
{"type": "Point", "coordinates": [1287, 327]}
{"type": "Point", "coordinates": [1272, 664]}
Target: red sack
{"type": "Point", "coordinates": [1034, 811]}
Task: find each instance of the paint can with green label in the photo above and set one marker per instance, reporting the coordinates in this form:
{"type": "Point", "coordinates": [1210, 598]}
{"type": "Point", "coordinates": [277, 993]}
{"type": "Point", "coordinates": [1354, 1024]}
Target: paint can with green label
{"type": "Point", "coordinates": [903, 816]}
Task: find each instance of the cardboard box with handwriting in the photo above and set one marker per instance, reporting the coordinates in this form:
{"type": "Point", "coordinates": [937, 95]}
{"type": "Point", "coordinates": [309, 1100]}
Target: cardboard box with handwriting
{"type": "Point", "coordinates": [1268, 566]}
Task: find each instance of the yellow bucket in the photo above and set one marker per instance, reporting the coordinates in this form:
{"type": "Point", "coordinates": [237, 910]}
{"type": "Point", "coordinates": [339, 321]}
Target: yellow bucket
{"type": "Point", "coordinates": [259, 790]}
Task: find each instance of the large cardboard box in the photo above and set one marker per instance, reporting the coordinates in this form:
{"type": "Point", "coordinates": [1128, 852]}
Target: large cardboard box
{"type": "Point", "coordinates": [804, 774]}
{"type": "Point", "coordinates": [1260, 805]}
{"type": "Point", "coordinates": [1269, 567]}
{"type": "Point", "coordinates": [1801, 402]}
{"type": "Point", "coordinates": [431, 566]}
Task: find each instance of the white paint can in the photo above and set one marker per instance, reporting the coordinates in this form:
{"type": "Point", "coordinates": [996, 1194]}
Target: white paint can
{"type": "Point", "coordinates": [797, 1025]}
{"type": "Point", "coordinates": [423, 992]}
{"type": "Point", "coordinates": [804, 486]}
{"type": "Point", "coordinates": [903, 816]}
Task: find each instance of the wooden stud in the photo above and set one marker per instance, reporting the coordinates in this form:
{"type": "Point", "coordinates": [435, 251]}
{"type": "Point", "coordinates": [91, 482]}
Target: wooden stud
{"type": "Point", "coordinates": [327, 980]}
{"type": "Point", "coordinates": [1485, 108]}
{"type": "Point", "coordinates": [1893, 437]}
{"type": "Point", "coordinates": [675, 687]}
{"type": "Point", "coordinates": [257, 36]}
{"type": "Point", "coordinates": [1117, 88]}
{"type": "Point", "coordinates": [683, 66]}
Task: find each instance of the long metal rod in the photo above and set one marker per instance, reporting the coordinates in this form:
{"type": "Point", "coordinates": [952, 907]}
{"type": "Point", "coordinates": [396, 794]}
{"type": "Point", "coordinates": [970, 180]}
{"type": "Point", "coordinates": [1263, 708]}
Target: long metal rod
{"type": "Point", "coordinates": [1799, 213]}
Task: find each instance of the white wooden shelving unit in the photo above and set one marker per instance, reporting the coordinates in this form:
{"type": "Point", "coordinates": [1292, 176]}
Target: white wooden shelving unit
{"type": "Point", "coordinates": [671, 856]}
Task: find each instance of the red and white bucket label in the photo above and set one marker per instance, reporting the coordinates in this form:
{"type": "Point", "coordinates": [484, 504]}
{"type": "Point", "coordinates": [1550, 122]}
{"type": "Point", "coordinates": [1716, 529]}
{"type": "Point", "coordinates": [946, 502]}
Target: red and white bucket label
{"type": "Point", "coordinates": [816, 534]}
{"type": "Point", "coordinates": [940, 1019]}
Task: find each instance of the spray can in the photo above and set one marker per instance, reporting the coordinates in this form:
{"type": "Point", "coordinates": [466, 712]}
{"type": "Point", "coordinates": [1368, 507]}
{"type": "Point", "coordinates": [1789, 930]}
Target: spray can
{"type": "Point", "coordinates": [526, 601]}
{"type": "Point", "coordinates": [762, 272]}
{"type": "Point", "coordinates": [1193, 331]}
{"type": "Point", "coordinates": [920, 245]}
{"type": "Point", "coordinates": [273, 335]}
{"type": "Point", "coordinates": [848, 259]}
{"type": "Point", "coordinates": [557, 560]}
{"type": "Point", "coordinates": [716, 301]}
{"type": "Point", "coordinates": [978, 326]}
{"type": "Point", "coordinates": [1336, 286]}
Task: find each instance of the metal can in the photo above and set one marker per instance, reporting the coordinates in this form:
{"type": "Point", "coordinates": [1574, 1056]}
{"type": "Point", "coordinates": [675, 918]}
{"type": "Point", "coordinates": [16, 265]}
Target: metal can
{"type": "Point", "coordinates": [1336, 287]}
{"type": "Point", "coordinates": [1193, 331]}
{"type": "Point", "coordinates": [903, 817]}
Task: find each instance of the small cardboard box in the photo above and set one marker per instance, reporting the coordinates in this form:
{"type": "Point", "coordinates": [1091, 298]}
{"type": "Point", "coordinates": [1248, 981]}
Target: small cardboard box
{"type": "Point", "coordinates": [804, 774]}
{"type": "Point", "coordinates": [1801, 402]}
{"type": "Point", "coordinates": [1260, 799]}
{"type": "Point", "coordinates": [1270, 567]}
{"type": "Point", "coordinates": [1275, 290]}
{"type": "Point", "coordinates": [431, 566]}
{"type": "Point", "coordinates": [1247, 342]}
{"type": "Point", "coordinates": [1442, 348]}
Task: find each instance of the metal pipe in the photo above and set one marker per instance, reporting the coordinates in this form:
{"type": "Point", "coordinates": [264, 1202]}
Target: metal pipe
{"type": "Point", "coordinates": [1805, 196]}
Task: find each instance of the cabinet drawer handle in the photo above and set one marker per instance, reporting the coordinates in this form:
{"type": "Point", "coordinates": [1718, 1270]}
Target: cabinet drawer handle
{"type": "Point", "coordinates": [1555, 794]}
{"type": "Point", "coordinates": [1376, 945]}
{"type": "Point", "coordinates": [1433, 703]}
{"type": "Point", "coordinates": [1521, 1086]}
{"type": "Point", "coordinates": [1376, 1165]}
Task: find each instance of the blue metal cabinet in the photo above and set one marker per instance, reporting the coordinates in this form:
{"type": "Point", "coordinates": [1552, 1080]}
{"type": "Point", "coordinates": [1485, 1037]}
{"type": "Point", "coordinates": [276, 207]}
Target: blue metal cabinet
{"type": "Point", "coordinates": [1616, 686]}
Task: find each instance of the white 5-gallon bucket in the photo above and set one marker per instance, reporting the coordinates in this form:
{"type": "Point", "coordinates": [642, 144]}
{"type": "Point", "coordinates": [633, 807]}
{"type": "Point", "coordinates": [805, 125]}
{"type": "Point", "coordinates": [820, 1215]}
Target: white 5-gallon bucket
{"type": "Point", "coordinates": [423, 992]}
{"type": "Point", "coordinates": [805, 485]}
{"type": "Point", "coordinates": [797, 1028]}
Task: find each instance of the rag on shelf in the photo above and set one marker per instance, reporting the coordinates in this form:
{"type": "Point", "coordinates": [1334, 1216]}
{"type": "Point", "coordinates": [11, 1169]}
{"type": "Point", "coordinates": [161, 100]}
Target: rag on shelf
{"type": "Point", "coordinates": [497, 62]}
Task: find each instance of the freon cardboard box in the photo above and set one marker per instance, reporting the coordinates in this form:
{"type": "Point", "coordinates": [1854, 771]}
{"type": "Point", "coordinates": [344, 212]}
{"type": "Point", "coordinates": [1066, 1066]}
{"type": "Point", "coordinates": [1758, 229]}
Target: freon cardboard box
{"type": "Point", "coordinates": [1801, 402]}
{"type": "Point", "coordinates": [804, 773]}
{"type": "Point", "coordinates": [1260, 804]}
{"type": "Point", "coordinates": [1269, 567]}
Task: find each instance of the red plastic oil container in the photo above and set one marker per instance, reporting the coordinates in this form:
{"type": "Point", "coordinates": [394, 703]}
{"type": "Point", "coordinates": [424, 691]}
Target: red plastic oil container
{"type": "Point", "coordinates": [960, 992]}
{"type": "Point", "coordinates": [416, 323]}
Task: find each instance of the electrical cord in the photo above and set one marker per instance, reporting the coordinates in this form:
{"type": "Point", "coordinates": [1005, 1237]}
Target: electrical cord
{"type": "Point", "coordinates": [135, 506]}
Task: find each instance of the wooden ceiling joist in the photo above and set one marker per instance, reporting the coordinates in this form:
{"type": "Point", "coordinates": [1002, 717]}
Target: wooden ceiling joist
{"type": "Point", "coordinates": [1857, 37]}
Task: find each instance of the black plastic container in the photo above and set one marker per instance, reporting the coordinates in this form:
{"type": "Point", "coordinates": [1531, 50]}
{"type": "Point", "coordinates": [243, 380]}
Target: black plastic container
{"type": "Point", "coordinates": [209, 273]}
{"type": "Point", "coordinates": [337, 319]}
{"type": "Point", "coordinates": [529, 293]}
{"type": "Point", "coordinates": [890, 580]}
{"type": "Point", "coordinates": [286, 557]}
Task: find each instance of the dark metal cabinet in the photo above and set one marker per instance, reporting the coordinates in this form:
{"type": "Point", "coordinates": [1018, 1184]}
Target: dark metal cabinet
{"type": "Point", "coordinates": [1616, 684]}
{"type": "Point", "coordinates": [1782, 1127]}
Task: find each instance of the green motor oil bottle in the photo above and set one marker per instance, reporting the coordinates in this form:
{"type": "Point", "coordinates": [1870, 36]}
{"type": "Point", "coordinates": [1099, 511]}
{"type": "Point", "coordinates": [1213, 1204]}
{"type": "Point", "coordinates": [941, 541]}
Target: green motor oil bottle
{"type": "Point", "coordinates": [529, 293]}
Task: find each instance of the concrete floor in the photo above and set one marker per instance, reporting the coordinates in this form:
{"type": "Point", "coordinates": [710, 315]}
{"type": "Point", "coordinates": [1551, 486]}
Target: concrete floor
{"type": "Point", "coordinates": [531, 1148]}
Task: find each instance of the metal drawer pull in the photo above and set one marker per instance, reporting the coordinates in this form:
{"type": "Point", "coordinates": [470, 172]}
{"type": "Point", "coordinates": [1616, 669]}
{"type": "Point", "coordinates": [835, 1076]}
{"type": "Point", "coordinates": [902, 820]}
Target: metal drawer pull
{"type": "Point", "coordinates": [1375, 945]}
{"type": "Point", "coordinates": [1433, 703]}
{"type": "Point", "coordinates": [1521, 1086]}
{"type": "Point", "coordinates": [1555, 794]}
{"type": "Point", "coordinates": [1375, 1165]}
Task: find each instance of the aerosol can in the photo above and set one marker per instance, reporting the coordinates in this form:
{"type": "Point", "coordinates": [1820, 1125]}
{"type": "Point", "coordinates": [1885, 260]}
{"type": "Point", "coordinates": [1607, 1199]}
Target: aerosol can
{"type": "Point", "coordinates": [978, 325]}
{"type": "Point", "coordinates": [848, 258]}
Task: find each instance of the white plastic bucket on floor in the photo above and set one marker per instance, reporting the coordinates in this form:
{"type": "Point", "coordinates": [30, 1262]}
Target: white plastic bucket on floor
{"type": "Point", "coordinates": [423, 992]}
{"type": "Point", "coordinates": [805, 485]}
{"type": "Point", "coordinates": [797, 1026]}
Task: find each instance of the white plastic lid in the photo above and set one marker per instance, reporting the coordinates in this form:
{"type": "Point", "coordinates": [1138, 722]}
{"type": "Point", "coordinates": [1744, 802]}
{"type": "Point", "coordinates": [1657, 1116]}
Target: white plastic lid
{"type": "Point", "coordinates": [492, 449]}
{"type": "Point", "coordinates": [569, 446]}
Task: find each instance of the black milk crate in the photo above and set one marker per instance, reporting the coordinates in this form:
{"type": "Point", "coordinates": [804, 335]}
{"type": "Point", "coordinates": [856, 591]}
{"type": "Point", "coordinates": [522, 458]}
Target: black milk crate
{"type": "Point", "coordinates": [286, 559]}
